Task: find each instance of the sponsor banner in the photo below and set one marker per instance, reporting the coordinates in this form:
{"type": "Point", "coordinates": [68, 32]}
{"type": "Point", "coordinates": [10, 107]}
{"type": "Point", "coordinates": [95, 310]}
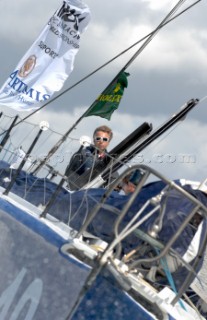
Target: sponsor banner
{"type": "Point", "coordinates": [49, 61]}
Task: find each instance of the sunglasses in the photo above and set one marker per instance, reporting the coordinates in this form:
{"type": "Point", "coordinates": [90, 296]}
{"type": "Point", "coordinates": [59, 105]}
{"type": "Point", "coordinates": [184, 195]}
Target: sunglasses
{"type": "Point", "coordinates": [105, 139]}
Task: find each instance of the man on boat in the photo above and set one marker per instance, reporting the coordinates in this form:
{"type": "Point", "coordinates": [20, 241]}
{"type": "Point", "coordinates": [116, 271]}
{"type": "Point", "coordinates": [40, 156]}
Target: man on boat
{"type": "Point", "coordinates": [129, 183]}
{"type": "Point", "coordinates": [89, 161]}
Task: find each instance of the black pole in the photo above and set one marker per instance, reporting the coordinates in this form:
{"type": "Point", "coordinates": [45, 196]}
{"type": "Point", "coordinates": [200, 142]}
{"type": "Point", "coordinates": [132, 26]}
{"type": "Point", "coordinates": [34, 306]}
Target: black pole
{"type": "Point", "coordinates": [153, 136]}
{"type": "Point", "coordinates": [53, 198]}
{"type": "Point", "coordinates": [134, 56]}
{"type": "Point", "coordinates": [7, 135]}
{"type": "Point", "coordinates": [23, 162]}
{"type": "Point", "coordinates": [56, 146]}
{"type": "Point", "coordinates": [131, 139]}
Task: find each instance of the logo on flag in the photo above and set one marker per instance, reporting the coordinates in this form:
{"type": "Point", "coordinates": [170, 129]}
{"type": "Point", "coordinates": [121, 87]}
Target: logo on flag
{"type": "Point", "coordinates": [28, 66]}
{"type": "Point", "coordinates": [48, 63]}
{"type": "Point", "coordinates": [109, 99]}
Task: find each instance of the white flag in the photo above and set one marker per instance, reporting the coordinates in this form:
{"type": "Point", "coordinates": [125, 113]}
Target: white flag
{"type": "Point", "coordinates": [49, 61]}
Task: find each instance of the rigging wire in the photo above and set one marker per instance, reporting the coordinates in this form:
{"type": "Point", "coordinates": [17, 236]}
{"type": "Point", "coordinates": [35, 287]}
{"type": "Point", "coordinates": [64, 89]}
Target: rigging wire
{"type": "Point", "coordinates": [134, 56]}
{"type": "Point", "coordinates": [203, 99]}
{"type": "Point", "coordinates": [108, 62]}
{"type": "Point", "coordinates": [149, 39]}
{"type": "Point", "coordinates": [163, 138]}
{"type": "Point", "coordinates": [172, 129]}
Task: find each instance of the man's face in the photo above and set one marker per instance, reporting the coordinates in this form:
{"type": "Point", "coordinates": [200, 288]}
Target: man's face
{"type": "Point", "coordinates": [101, 140]}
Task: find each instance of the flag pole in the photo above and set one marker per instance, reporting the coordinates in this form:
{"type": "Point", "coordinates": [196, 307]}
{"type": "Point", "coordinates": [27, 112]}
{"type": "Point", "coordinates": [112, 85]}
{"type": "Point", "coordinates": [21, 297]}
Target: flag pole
{"type": "Point", "coordinates": [56, 146]}
{"type": "Point", "coordinates": [7, 134]}
{"type": "Point", "coordinates": [104, 65]}
{"type": "Point", "coordinates": [24, 160]}
{"type": "Point", "coordinates": [152, 35]}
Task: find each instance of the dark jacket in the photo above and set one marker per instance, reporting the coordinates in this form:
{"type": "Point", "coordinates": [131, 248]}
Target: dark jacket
{"type": "Point", "coordinates": [84, 166]}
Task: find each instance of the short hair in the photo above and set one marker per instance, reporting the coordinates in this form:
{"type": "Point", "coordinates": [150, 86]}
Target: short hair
{"type": "Point", "coordinates": [104, 129]}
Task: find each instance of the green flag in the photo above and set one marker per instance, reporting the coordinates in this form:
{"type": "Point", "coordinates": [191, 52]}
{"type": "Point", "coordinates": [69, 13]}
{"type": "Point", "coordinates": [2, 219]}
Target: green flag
{"type": "Point", "coordinates": [109, 99]}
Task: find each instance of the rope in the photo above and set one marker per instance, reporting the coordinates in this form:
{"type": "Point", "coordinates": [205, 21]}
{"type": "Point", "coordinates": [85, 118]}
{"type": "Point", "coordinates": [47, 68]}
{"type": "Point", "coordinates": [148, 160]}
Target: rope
{"type": "Point", "coordinates": [169, 277]}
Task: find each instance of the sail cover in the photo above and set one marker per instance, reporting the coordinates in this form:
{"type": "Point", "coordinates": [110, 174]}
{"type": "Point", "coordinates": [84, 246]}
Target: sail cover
{"type": "Point", "coordinates": [49, 61]}
{"type": "Point", "coordinates": [73, 208]}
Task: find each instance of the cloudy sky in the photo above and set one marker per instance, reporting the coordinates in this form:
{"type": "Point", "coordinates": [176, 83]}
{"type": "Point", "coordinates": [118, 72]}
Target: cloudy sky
{"type": "Point", "coordinates": [168, 72]}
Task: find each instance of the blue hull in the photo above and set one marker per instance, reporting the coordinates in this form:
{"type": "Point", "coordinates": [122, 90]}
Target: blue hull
{"type": "Point", "coordinates": [39, 282]}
